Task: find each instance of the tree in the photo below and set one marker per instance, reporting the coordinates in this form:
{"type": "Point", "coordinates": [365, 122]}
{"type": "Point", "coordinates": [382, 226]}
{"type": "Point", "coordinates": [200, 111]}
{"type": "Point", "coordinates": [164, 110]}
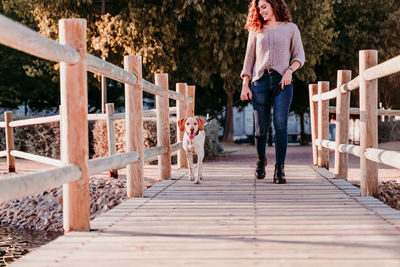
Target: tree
{"type": "Point", "coordinates": [314, 20]}
{"type": "Point", "coordinates": [367, 24]}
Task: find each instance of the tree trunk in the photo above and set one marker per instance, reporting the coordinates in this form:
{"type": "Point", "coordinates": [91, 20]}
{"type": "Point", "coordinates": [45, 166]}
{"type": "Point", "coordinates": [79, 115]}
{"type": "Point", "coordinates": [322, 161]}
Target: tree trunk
{"type": "Point", "coordinates": [228, 128]}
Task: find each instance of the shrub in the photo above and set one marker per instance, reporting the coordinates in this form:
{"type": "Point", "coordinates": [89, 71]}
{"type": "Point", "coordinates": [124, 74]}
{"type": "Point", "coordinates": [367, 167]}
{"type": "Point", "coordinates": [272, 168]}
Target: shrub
{"type": "Point", "coordinates": [40, 139]}
{"type": "Point", "coordinates": [388, 131]}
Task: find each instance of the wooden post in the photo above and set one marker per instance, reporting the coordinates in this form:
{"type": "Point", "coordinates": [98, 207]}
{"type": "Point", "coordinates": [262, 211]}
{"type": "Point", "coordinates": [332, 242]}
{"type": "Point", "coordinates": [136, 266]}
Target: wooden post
{"type": "Point", "coordinates": [9, 141]}
{"type": "Point", "coordinates": [180, 114]}
{"type": "Point", "coordinates": [313, 90]}
{"type": "Point", "coordinates": [342, 125]}
{"type": "Point", "coordinates": [134, 126]}
{"type": "Point", "coordinates": [368, 124]}
{"type": "Point", "coordinates": [323, 126]}
{"type": "Point", "coordinates": [163, 133]}
{"type": "Point", "coordinates": [111, 136]}
{"type": "Point", "coordinates": [74, 126]}
{"type": "Point", "coordinates": [103, 93]}
{"type": "Point", "coordinates": [190, 106]}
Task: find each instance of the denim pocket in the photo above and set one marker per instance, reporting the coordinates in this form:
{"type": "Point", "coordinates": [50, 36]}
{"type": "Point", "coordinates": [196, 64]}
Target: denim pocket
{"type": "Point", "coordinates": [259, 92]}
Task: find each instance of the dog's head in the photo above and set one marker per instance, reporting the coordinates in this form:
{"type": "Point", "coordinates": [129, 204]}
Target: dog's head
{"type": "Point", "coordinates": [191, 124]}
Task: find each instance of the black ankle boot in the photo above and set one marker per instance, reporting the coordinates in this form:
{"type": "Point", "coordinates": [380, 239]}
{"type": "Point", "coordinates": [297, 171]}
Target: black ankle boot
{"type": "Point", "coordinates": [279, 174]}
{"type": "Point", "coordinates": [260, 168]}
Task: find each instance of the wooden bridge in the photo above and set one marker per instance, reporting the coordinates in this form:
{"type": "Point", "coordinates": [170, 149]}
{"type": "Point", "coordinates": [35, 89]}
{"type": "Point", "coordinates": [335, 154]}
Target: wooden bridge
{"type": "Point", "coordinates": [231, 218]}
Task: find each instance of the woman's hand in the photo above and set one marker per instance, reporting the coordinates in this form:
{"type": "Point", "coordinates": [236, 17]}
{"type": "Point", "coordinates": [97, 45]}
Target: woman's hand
{"type": "Point", "coordinates": [246, 92]}
{"type": "Point", "coordinates": [286, 78]}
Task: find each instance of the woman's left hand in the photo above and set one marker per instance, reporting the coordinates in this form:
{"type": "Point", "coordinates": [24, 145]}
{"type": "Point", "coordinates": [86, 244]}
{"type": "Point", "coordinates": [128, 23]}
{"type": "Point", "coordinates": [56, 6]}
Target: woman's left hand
{"type": "Point", "coordinates": [286, 78]}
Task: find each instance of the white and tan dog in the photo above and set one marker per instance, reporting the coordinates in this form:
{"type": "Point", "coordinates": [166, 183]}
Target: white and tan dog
{"type": "Point", "coordinates": [193, 143]}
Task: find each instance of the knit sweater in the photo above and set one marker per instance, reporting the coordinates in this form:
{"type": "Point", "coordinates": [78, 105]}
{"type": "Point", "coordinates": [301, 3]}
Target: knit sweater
{"type": "Point", "coordinates": [273, 49]}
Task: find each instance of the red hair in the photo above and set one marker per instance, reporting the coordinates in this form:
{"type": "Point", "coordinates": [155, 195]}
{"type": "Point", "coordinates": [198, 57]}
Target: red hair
{"type": "Point", "coordinates": [255, 21]}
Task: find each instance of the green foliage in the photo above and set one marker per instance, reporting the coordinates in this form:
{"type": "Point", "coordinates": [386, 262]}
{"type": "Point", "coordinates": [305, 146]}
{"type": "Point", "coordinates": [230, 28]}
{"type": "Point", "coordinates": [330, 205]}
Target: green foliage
{"type": "Point", "coordinates": [367, 24]}
{"type": "Point", "coordinates": [198, 42]}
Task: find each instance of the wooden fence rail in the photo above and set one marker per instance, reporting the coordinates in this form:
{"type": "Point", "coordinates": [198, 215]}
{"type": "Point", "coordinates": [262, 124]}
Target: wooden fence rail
{"type": "Point", "coordinates": [368, 152]}
{"type": "Point", "coordinates": [75, 167]}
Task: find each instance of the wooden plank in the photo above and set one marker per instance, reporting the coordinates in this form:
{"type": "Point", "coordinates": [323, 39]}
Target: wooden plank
{"type": "Point", "coordinates": [11, 34]}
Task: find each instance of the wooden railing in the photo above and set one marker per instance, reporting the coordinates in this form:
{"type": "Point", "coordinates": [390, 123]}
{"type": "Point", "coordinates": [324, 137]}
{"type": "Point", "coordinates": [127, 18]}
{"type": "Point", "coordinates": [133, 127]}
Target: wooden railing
{"type": "Point", "coordinates": [74, 168]}
{"type": "Point", "coordinates": [368, 151]}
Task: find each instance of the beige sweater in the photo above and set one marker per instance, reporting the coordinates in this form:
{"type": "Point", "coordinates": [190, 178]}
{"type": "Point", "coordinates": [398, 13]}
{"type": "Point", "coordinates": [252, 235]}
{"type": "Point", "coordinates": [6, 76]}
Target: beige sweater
{"type": "Point", "coordinates": [273, 49]}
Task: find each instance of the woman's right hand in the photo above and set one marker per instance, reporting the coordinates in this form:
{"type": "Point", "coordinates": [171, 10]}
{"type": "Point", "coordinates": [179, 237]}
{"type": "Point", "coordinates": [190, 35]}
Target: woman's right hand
{"type": "Point", "coordinates": [246, 92]}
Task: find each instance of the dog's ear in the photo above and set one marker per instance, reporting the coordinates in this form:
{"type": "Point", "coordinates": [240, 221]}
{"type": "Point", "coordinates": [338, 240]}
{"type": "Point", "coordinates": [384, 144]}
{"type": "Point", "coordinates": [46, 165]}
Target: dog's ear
{"type": "Point", "coordinates": [181, 124]}
{"type": "Point", "coordinates": [201, 122]}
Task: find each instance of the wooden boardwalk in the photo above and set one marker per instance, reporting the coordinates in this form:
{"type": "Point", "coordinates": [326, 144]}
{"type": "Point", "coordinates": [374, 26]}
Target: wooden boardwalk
{"type": "Point", "coordinates": [232, 219]}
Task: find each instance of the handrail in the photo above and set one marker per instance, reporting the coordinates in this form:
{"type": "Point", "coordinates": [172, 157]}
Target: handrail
{"type": "Point", "coordinates": [99, 66]}
{"type": "Point", "coordinates": [3, 153]}
{"type": "Point", "coordinates": [113, 162]}
{"type": "Point", "coordinates": [33, 121]}
{"type": "Point", "coordinates": [11, 34]}
{"type": "Point", "coordinates": [381, 70]}
{"type": "Point", "coordinates": [150, 153]}
{"type": "Point", "coordinates": [350, 86]}
{"type": "Point", "coordinates": [384, 69]}
{"type": "Point", "coordinates": [28, 184]}
{"type": "Point", "coordinates": [176, 146]}
{"type": "Point", "coordinates": [356, 111]}
{"type": "Point", "coordinates": [367, 151]}
{"type": "Point", "coordinates": [33, 157]}
{"type": "Point", "coordinates": [387, 157]}
{"type": "Point", "coordinates": [350, 149]}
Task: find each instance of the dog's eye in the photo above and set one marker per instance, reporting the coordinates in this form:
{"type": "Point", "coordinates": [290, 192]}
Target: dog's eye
{"type": "Point", "coordinates": [187, 123]}
{"type": "Point", "coordinates": [195, 123]}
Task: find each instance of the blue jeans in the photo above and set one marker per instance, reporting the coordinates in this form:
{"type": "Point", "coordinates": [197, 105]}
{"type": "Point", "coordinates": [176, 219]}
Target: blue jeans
{"type": "Point", "coordinates": [262, 94]}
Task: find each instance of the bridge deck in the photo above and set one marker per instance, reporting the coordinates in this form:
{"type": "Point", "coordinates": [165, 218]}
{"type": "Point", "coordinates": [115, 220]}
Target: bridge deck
{"type": "Point", "coordinates": [233, 219]}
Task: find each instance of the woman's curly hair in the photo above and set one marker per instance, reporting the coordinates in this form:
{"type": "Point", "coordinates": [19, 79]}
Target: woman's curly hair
{"type": "Point", "coordinates": [255, 21]}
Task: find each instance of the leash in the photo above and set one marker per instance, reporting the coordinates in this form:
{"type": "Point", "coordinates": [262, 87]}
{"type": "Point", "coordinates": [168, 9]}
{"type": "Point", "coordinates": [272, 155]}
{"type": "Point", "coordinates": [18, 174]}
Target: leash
{"type": "Point", "coordinates": [276, 91]}
{"type": "Point", "coordinates": [208, 119]}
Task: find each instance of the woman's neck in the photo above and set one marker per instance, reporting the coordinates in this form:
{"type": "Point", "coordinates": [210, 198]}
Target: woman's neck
{"type": "Point", "coordinates": [270, 24]}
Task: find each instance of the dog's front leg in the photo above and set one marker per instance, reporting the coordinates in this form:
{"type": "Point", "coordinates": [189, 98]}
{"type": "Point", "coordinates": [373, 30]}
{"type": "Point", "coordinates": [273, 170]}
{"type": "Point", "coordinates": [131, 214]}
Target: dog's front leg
{"type": "Point", "coordinates": [199, 175]}
{"type": "Point", "coordinates": [189, 157]}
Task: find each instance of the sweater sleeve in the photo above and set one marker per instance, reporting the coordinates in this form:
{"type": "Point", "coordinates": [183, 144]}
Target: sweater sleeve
{"type": "Point", "coordinates": [250, 56]}
{"type": "Point", "coordinates": [297, 49]}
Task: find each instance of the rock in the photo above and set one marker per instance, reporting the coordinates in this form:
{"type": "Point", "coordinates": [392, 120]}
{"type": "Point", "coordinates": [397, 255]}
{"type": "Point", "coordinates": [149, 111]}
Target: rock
{"type": "Point", "coordinates": [114, 203]}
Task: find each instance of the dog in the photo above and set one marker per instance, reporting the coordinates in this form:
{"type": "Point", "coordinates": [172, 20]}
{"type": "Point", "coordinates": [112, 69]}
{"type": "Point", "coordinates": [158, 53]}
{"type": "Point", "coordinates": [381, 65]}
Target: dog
{"type": "Point", "coordinates": [193, 143]}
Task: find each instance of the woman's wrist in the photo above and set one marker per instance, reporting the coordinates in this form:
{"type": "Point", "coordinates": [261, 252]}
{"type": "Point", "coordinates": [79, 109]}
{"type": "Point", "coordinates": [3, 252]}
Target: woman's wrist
{"type": "Point", "coordinates": [290, 68]}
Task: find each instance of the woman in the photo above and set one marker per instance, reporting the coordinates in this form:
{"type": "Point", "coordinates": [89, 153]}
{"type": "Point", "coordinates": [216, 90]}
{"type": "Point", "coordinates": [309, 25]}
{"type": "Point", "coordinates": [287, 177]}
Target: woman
{"type": "Point", "coordinates": [274, 51]}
